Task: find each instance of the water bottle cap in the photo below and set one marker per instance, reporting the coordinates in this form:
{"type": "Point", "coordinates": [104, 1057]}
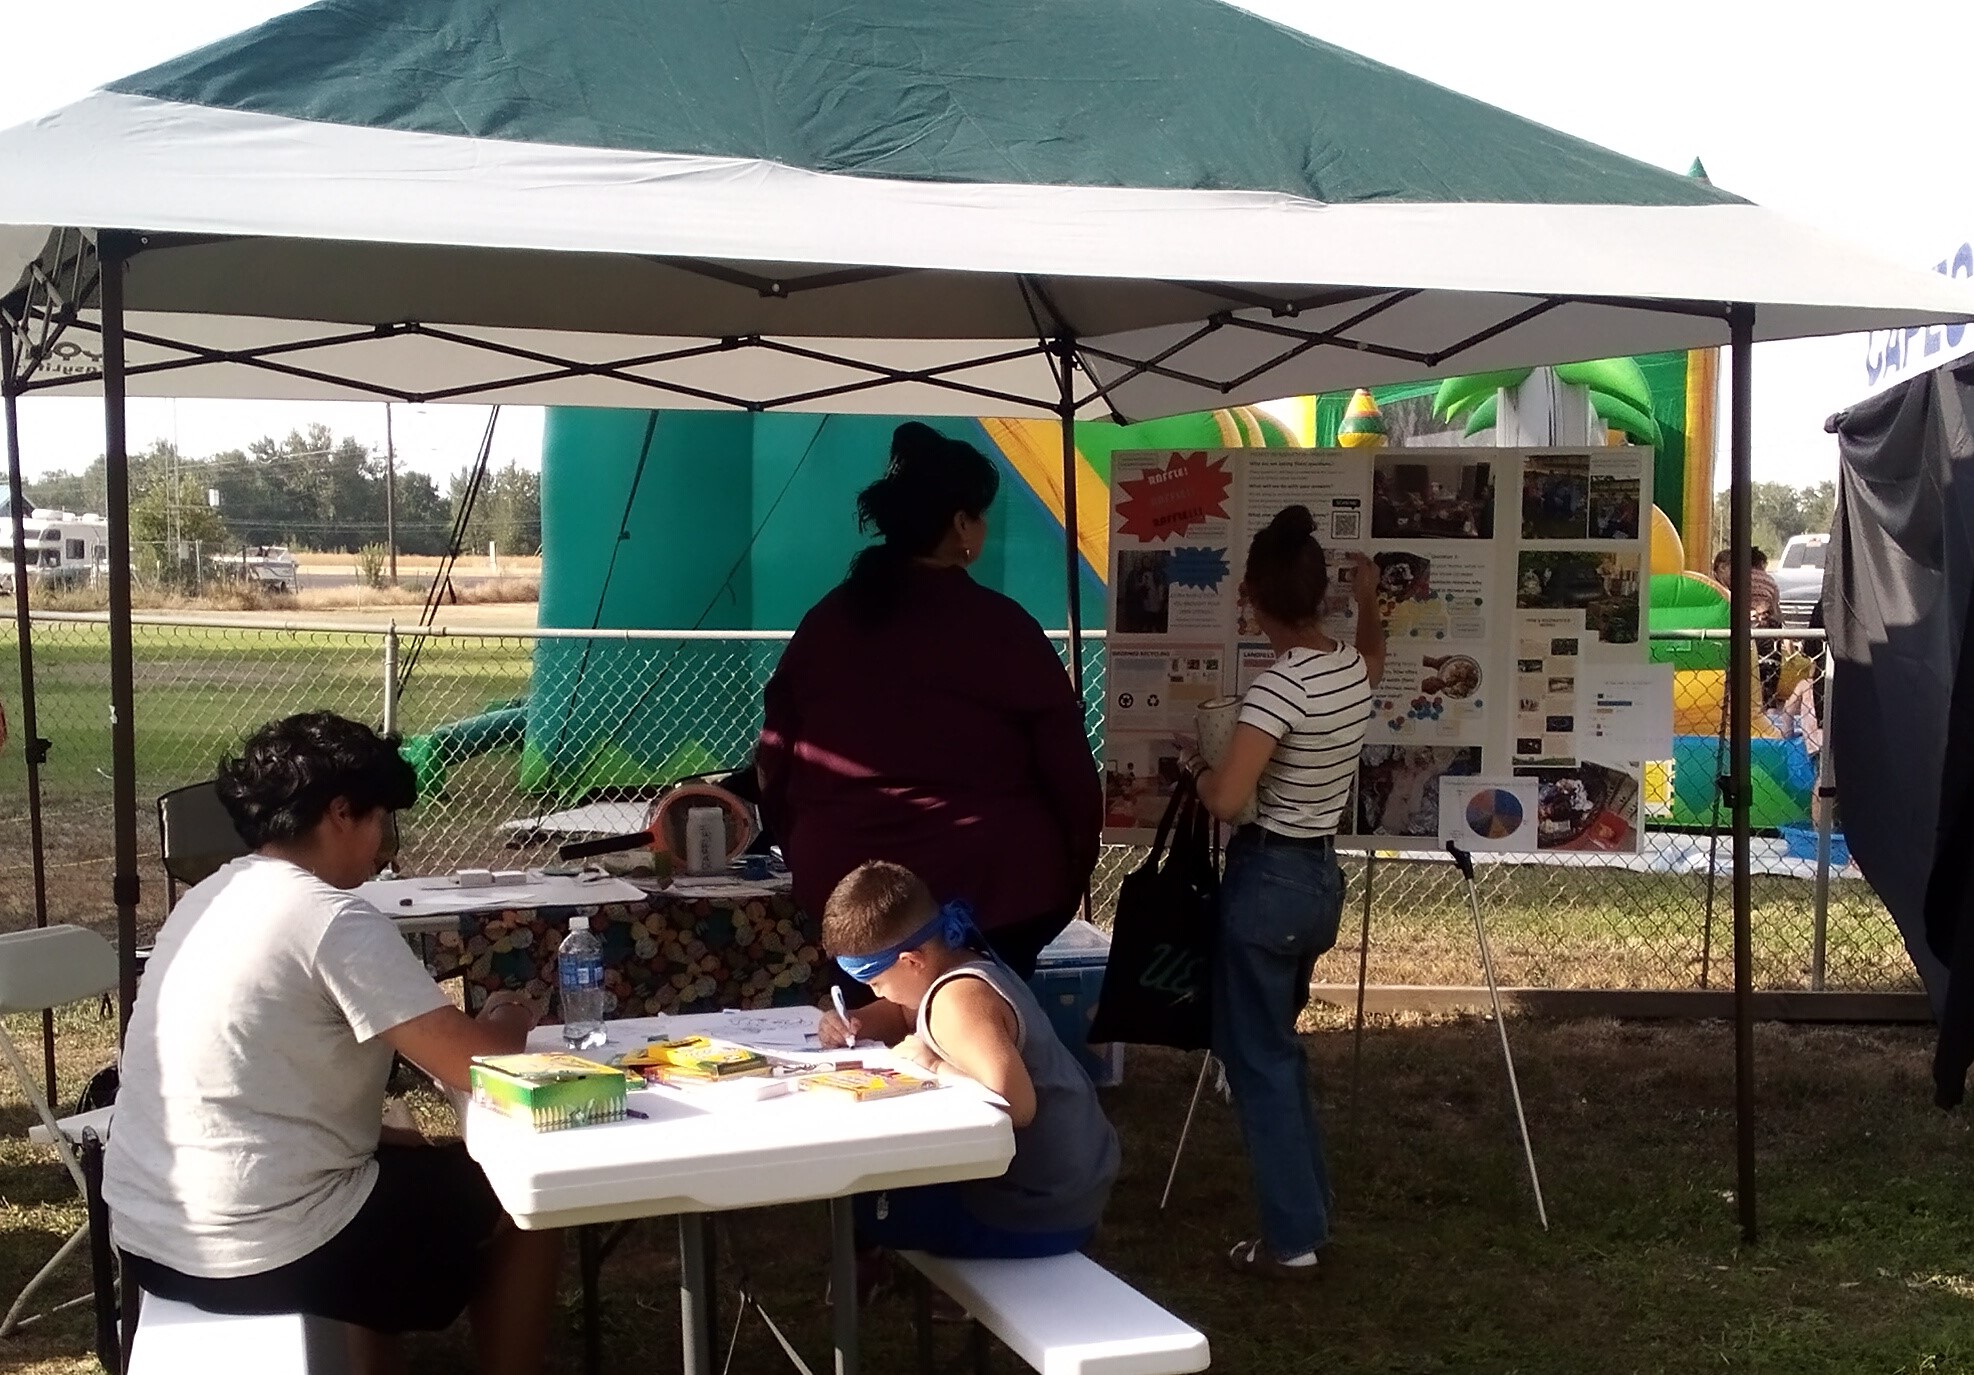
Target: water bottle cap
{"type": "Point", "coordinates": [578, 923]}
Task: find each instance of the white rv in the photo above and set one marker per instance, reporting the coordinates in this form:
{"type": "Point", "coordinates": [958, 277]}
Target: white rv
{"type": "Point", "coordinates": [63, 549]}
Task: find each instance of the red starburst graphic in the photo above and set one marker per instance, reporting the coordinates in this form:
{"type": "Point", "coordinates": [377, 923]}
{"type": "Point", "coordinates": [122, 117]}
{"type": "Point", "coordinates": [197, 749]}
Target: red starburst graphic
{"type": "Point", "coordinates": [1171, 500]}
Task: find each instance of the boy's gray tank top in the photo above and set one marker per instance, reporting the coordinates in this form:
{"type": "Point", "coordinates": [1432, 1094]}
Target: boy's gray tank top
{"type": "Point", "coordinates": [1066, 1159]}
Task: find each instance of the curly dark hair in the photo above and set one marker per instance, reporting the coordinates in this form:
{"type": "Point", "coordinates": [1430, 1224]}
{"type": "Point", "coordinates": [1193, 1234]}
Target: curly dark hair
{"type": "Point", "coordinates": [1287, 576]}
{"type": "Point", "coordinates": [285, 777]}
{"type": "Point", "coordinates": [874, 907]}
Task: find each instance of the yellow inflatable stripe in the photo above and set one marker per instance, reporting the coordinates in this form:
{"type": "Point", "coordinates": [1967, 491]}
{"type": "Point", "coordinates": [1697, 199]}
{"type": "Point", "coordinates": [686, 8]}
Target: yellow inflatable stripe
{"type": "Point", "coordinates": [1702, 380]}
{"type": "Point", "coordinates": [1034, 447]}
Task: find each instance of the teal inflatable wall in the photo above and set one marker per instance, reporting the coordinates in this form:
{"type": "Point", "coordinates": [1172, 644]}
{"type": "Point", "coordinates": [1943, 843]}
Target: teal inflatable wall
{"type": "Point", "coordinates": [727, 522]}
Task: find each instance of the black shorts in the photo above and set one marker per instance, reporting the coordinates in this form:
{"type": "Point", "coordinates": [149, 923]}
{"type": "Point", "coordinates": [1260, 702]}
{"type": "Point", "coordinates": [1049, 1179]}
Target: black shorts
{"type": "Point", "coordinates": [409, 1261]}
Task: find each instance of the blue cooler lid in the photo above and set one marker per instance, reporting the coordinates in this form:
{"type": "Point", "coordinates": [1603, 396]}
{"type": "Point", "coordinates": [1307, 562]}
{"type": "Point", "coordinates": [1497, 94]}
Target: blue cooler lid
{"type": "Point", "coordinates": [1080, 946]}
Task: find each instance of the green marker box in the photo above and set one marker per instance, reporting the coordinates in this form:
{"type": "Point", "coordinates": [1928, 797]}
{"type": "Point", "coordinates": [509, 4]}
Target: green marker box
{"type": "Point", "coordinates": [550, 1092]}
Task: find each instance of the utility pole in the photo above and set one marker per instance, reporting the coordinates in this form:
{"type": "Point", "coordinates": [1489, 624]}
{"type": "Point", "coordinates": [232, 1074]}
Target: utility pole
{"type": "Point", "coordinates": [390, 494]}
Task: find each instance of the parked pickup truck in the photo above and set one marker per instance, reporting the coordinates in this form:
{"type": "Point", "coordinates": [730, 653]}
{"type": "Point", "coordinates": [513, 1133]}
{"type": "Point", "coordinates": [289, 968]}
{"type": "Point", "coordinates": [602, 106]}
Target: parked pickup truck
{"type": "Point", "coordinates": [1798, 576]}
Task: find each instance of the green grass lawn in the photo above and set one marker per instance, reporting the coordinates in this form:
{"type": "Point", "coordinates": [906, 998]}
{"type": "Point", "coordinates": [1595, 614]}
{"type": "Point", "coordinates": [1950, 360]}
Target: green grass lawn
{"type": "Point", "coordinates": [1438, 1265]}
{"type": "Point", "coordinates": [1866, 1261]}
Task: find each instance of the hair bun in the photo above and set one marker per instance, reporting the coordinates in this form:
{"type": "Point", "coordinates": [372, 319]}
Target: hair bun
{"type": "Point", "coordinates": [913, 443]}
{"type": "Point", "coordinates": [1292, 523]}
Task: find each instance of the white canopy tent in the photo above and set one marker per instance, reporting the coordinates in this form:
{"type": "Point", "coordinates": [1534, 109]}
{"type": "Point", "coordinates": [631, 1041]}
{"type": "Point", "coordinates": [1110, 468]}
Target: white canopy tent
{"type": "Point", "coordinates": [791, 207]}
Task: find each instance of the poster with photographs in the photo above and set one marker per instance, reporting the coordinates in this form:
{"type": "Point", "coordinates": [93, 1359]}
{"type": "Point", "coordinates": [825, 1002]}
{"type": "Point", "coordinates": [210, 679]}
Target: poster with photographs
{"type": "Point", "coordinates": [1431, 498]}
{"type": "Point", "coordinates": [1588, 807]}
{"type": "Point", "coordinates": [1607, 589]}
{"type": "Point", "coordinates": [1171, 538]}
{"type": "Point", "coordinates": [1498, 576]}
{"type": "Point", "coordinates": [1398, 787]}
{"type": "Point", "coordinates": [1548, 658]}
{"type": "Point", "coordinates": [1617, 496]}
{"type": "Point", "coordinates": [1556, 497]}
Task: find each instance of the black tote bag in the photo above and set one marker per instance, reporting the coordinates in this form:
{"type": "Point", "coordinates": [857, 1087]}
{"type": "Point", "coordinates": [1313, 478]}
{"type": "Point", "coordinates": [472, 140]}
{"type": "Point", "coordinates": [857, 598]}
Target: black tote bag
{"type": "Point", "coordinates": [1158, 984]}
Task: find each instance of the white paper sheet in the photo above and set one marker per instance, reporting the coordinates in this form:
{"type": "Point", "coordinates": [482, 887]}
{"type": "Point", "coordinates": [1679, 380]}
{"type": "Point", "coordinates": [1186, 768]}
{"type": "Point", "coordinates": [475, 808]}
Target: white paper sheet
{"type": "Point", "coordinates": [1488, 814]}
{"type": "Point", "coordinates": [1626, 710]}
{"type": "Point", "coordinates": [441, 894]}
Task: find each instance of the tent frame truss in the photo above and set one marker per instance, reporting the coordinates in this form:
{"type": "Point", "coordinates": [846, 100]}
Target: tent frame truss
{"type": "Point", "coordinates": [38, 318]}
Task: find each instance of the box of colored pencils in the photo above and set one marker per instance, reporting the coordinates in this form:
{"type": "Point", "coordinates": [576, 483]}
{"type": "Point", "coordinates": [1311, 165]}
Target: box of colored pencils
{"type": "Point", "coordinates": [863, 1085]}
{"type": "Point", "coordinates": [550, 1092]}
{"type": "Point", "coordinates": [695, 1059]}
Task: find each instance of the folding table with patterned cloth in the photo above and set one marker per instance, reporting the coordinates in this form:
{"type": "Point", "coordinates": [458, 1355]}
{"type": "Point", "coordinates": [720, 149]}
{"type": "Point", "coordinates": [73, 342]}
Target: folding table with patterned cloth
{"type": "Point", "coordinates": [693, 946]}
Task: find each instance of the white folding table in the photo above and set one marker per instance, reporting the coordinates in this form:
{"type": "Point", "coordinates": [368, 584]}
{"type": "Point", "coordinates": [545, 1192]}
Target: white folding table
{"type": "Point", "coordinates": [706, 1150]}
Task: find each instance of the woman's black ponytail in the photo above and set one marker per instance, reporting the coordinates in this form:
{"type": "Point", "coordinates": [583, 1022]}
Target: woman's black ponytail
{"type": "Point", "coordinates": [931, 479]}
{"type": "Point", "coordinates": [1287, 576]}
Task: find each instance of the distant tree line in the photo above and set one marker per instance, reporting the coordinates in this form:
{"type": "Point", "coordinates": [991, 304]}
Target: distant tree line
{"type": "Point", "coordinates": [1778, 510]}
{"type": "Point", "coordinates": [310, 490]}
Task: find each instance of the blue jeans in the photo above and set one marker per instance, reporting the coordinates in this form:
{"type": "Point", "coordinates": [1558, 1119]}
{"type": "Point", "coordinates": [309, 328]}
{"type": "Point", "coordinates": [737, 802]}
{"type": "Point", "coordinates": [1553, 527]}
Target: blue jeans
{"type": "Point", "coordinates": [934, 1218]}
{"type": "Point", "coordinates": [1280, 904]}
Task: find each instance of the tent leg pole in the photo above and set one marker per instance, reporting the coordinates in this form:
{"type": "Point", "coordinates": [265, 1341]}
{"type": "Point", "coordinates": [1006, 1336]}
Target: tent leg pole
{"type": "Point", "coordinates": [1823, 803]}
{"type": "Point", "coordinates": [1072, 551]}
{"type": "Point", "coordinates": [1065, 351]}
{"type": "Point", "coordinates": [113, 249]}
{"type": "Point", "coordinates": [33, 749]}
{"type": "Point", "coordinates": [1741, 323]}
{"type": "Point", "coordinates": [1713, 836]}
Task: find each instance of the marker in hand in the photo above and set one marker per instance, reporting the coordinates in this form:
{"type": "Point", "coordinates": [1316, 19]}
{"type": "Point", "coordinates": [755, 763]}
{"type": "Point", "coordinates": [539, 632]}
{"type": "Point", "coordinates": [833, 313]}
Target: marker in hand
{"type": "Point", "coordinates": [843, 1015]}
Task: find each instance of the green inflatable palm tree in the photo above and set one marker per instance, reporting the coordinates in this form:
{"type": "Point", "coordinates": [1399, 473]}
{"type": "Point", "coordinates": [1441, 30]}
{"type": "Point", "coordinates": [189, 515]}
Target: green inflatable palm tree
{"type": "Point", "coordinates": [1618, 393]}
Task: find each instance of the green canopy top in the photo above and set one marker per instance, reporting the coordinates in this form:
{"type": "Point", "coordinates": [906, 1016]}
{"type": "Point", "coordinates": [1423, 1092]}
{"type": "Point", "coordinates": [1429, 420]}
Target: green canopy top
{"type": "Point", "coordinates": [1165, 94]}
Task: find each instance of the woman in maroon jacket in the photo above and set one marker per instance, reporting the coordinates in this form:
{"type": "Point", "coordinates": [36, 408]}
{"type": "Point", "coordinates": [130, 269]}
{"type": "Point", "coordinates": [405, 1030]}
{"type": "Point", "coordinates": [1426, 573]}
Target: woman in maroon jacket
{"type": "Point", "coordinates": [920, 718]}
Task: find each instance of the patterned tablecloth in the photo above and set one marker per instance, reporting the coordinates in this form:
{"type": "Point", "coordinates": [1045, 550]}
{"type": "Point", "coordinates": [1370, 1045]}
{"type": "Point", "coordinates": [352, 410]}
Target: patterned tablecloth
{"type": "Point", "coordinates": [669, 953]}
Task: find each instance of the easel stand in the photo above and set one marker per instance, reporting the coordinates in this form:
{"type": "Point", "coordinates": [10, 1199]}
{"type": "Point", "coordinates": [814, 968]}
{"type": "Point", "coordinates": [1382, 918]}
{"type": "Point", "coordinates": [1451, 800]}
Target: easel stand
{"type": "Point", "coordinates": [1466, 863]}
{"type": "Point", "coordinates": [1199, 1087]}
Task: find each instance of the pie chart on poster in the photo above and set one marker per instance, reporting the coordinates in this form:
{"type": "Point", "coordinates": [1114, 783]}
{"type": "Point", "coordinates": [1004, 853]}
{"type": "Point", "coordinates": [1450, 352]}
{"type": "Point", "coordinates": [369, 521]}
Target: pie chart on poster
{"type": "Point", "coordinates": [1495, 814]}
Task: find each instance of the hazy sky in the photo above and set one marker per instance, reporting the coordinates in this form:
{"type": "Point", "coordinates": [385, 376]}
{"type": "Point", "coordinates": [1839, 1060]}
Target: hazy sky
{"type": "Point", "coordinates": [1836, 120]}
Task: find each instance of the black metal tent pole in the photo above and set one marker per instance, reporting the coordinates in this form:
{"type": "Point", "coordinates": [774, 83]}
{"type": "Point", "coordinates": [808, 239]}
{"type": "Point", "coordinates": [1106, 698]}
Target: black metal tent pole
{"type": "Point", "coordinates": [33, 748]}
{"type": "Point", "coordinates": [1741, 326]}
{"type": "Point", "coordinates": [1065, 351]}
{"type": "Point", "coordinates": [113, 249]}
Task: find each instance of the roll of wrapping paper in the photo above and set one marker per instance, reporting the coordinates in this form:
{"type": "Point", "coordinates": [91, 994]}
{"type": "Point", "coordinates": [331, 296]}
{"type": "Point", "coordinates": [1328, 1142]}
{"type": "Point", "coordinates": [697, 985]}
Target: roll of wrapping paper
{"type": "Point", "coordinates": [1214, 723]}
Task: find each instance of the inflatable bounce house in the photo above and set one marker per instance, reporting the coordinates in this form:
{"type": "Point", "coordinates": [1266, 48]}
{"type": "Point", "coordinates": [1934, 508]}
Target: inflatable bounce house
{"type": "Point", "coordinates": [1664, 402]}
{"type": "Point", "coordinates": [726, 524]}
{"type": "Point", "coordinates": [732, 523]}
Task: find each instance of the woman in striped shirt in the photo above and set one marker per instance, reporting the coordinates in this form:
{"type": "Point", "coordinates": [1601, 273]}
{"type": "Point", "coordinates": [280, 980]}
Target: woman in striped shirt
{"type": "Point", "coordinates": [1294, 754]}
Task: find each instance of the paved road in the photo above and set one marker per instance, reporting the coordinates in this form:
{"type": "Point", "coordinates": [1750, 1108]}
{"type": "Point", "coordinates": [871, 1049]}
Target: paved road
{"type": "Point", "coordinates": [327, 577]}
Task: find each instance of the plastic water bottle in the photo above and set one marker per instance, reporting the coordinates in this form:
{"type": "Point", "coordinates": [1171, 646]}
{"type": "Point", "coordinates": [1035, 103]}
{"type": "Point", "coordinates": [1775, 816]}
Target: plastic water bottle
{"type": "Point", "coordinates": [579, 973]}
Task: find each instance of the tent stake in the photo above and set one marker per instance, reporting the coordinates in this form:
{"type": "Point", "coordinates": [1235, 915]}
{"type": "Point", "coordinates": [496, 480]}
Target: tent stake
{"type": "Point", "coordinates": [1741, 323]}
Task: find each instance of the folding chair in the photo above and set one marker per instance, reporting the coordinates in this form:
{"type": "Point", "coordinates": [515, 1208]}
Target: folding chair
{"type": "Point", "coordinates": [195, 837]}
{"type": "Point", "coordinates": [39, 970]}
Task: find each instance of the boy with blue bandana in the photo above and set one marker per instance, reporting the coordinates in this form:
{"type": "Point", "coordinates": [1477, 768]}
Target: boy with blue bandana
{"type": "Point", "coordinates": [976, 1017]}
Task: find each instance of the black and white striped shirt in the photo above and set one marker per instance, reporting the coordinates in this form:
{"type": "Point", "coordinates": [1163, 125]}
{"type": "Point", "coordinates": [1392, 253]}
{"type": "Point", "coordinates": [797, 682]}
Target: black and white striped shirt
{"type": "Point", "coordinates": [1316, 707]}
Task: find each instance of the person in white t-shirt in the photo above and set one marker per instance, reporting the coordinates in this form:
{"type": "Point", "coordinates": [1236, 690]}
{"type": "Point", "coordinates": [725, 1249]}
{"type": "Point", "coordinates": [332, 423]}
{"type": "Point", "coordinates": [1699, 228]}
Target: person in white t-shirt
{"type": "Point", "coordinates": [1294, 754]}
{"type": "Point", "coordinates": [250, 1170]}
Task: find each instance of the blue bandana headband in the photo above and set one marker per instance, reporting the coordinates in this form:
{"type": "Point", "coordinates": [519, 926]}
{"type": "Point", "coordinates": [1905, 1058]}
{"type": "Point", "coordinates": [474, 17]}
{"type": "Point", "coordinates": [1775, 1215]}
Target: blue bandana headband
{"type": "Point", "coordinates": [953, 924]}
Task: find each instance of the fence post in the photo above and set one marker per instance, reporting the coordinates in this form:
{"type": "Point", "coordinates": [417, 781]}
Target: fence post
{"type": "Point", "coordinates": [1822, 805]}
{"type": "Point", "coordinates": [391, 679]}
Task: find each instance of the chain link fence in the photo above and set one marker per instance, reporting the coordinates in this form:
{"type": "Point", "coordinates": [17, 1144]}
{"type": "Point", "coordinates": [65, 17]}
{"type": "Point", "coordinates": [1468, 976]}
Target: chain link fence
{"type": "Point", "coordinates": [508, 728]}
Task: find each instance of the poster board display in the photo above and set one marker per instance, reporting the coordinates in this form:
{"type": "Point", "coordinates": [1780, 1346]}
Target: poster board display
{"type": "Point", "coordinates": [1508, 581]}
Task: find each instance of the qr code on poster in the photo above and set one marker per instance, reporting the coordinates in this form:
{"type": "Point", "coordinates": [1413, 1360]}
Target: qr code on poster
{"type": "Point", "coordinates": [1343, 525]}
